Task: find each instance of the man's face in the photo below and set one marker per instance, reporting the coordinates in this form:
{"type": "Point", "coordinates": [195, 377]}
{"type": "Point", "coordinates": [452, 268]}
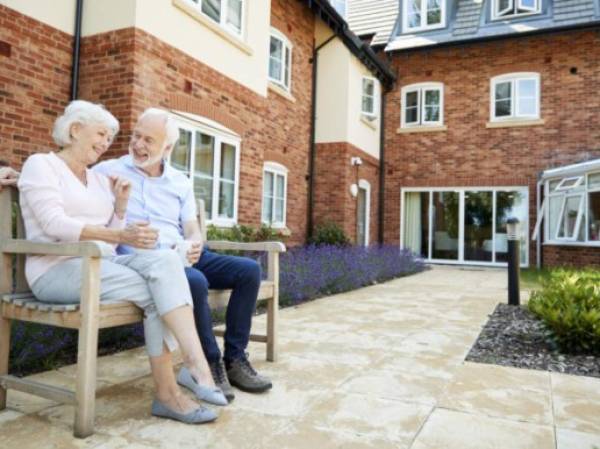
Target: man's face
{"type": "Point", "coordinates": [147, 146]}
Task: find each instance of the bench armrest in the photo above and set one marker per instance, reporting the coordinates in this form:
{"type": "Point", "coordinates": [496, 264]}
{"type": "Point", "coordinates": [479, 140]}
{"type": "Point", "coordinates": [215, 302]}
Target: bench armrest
{"type": "Point", "coordinates": [275, 247]}
{"type": "Point", "coordinates": [78, 249]}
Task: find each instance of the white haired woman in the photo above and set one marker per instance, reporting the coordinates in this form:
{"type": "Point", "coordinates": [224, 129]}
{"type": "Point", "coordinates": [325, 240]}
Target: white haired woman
{"type": "Point", "coordinates": [63, 201]}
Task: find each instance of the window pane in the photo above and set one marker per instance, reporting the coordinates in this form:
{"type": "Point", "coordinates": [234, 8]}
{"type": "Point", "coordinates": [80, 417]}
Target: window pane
{"type": "Point", "coordinates": [212, 8]}
{"type": "Point", "coordinates": [279, 210]}
{"type": "Point", "coordinates": [234, 14]}
{"type": "Point", "coordinates": [226, 193]}
{"type": "Point", "coordinates": [502, 108]}
{"type": "Point", "coordinates": [368, 87]}
{"type": "Point", "coordinates": [432, 113]}
{"type": "Point", "coordinates": [367, 105]}
{"type": "Point", "coordinates": [594, 181]}
{"type": "Point", "coordinates": [205, 152]}
{"type": "Point", "coordinates": [553, 185]}
{"type": "Point", "coordinates": [510, 204]}
{"type": "Point", "coordinates": [268, 184]}
{"type": "Point", "coordinates": [275, 60]}
{"type": "Point", "coordinates": [412, 115]}
{"type": "Point", "coordinates": [478, 226]}
{"type": "Point", "coordinates": [414, 13]}
{"type": "Point", "coordinates": [594, 216]}
{"type": "Point", "coordinates": [432, 97]}
{"type": "Point", "coordinates": [203, 189]}
{"type": "Point", "coordinates": [553, 215]}
{"type": "Point", "coordinates": [267, 209]}
{"type": "Point", "coordinates": [569, 218]}
{"type": "Point", "coordinates": [528, 4]}
{"type": "Point", "coordinates": [280, 187]}
{"type": "Point", "coordinates": [527, 106]}
{"type": "Point", "coordinates": [445, 224]}
{"type": "Point", "coordinates": [412, 99]}
{"type": "Point", "coordinates": [504, 5]}
{"type": "Point", "coordinates": [527, 88]}
{"type": "Point", "coordinates": [416, 223]}
{"type": "Point", "coordinates": [503, 90]}
{"type": "Point", "coordinates": [180, 158]}
{"type": "Point", "coordinates": [434, 13]}
{"type": "Point", "coordinates": [228, 161]}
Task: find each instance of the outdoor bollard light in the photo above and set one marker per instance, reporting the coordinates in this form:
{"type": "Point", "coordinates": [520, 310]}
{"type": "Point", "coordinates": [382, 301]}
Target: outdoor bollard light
{"type": "Point", "coordinates": [512, 230]}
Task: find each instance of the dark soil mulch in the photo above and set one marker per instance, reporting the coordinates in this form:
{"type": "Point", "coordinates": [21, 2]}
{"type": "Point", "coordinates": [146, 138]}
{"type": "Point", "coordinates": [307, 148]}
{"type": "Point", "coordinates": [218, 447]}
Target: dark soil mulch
{"type": "Point", "coordinates": [513, 336]}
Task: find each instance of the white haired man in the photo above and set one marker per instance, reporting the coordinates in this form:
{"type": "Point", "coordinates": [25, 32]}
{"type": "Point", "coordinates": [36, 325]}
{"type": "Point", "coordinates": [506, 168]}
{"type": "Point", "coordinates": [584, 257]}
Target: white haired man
{"type": "Point", "coordinates": [164, 197]}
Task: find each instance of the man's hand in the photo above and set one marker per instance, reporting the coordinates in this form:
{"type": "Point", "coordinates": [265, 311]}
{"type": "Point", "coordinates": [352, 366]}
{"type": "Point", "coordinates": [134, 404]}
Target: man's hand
{"type": "Point", "coordinates": [194, 253]}
{"type": "Point", "coordinates": [8, 177]}
{"type": "Point", "coordinates": [121, 189]}
{"type": "Point", "coordinates": [139, 235]}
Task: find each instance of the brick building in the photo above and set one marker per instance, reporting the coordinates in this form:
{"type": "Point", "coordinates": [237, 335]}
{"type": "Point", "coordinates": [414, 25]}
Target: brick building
{"type": "Point", "coordinates": [239, 80]}
{"type": "Point", "coordinates": [491, 98]}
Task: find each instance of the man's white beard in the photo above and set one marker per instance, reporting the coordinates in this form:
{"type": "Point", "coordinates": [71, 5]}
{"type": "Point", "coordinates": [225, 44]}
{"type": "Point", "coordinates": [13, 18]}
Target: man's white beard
{"type": "Point", "coordinates": [145, 164]}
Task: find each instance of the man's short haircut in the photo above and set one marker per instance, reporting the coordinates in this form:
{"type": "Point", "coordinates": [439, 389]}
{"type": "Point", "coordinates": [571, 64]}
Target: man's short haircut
{"type": "Point", "coordinates": [85, 113]}
{"type": "Point", "coordinates": [171, 128]}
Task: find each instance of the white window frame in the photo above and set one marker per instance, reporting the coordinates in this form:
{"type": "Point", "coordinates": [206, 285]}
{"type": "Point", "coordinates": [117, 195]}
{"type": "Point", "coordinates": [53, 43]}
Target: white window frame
{"type": "Point", "coordinates": [220, 138]}
{"type": "Point", "coordinates": [374, 113]}
{"type": "Point", "coordinates": [421, 88]}
{"type": "Point", "coordinates": [286, 46]}
{"type": "Point", "coordinates": [423, 26]}
{"type": "Point", "coordinates": [197, 4]}
{"type": "Point", "coordinates": [366, 186]}
{"type": "Point", "coordinates": [513, 79]}
{"type": "Point", "coordinates": [514, 6]}
{"type": "Point", "coordinates": [580, 188]}
{"type": "Point", "coordinates": [275, 169]}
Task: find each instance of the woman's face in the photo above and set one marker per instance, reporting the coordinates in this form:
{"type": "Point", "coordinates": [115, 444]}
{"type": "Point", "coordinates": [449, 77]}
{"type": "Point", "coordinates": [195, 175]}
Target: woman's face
{"type": "Point", "coordinates": [91, 141]}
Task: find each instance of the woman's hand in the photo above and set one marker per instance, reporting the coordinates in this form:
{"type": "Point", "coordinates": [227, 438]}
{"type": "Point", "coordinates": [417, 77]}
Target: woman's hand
{"type": "Point", "coordinates": [8, 177]}
{"type": "Point", "coordinates": [139, 235]}
{"type": "Point", "coordinates": [121, 189]}
{"type": "Point", "coordinates": [194, 253]}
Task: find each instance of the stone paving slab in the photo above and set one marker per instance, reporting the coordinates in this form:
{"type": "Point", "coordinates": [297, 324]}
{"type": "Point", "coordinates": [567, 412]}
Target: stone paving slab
{"type": "Point", "coordinates": [380, 367]}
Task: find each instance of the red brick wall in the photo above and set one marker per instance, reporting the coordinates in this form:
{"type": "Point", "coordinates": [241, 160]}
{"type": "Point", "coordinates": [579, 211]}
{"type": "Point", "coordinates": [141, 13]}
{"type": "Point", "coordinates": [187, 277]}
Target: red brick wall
{"type": "Point", "coordinates": [34, 84]}
{"type": "Point", "coordinates": [571, 256]}
{"type": "Point", "coordinates": [468, 153]}
{"type": "Point", "coordinates": [333, 177]}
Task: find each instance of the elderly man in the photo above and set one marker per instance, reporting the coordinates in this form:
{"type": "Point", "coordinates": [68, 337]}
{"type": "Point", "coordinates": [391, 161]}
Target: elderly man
{"type": "Point", "coordinates": [164, 197]}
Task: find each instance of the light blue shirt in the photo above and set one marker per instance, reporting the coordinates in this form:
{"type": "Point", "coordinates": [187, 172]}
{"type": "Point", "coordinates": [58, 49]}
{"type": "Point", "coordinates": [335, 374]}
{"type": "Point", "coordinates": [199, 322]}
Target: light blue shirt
{"type": "Point", "coordinates": [166, 201]}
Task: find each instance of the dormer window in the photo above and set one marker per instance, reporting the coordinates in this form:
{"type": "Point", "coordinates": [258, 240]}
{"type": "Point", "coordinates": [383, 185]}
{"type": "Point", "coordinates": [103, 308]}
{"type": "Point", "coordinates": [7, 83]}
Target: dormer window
{"type": "Point", "coordinates": [420, 15]}
{"type": "Point", "coordinates": [502, 9]}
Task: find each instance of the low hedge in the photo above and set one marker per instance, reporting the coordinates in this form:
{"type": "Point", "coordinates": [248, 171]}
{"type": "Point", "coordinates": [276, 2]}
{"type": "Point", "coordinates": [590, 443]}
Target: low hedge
{"type": "Point", "coordinates": [569, 305]}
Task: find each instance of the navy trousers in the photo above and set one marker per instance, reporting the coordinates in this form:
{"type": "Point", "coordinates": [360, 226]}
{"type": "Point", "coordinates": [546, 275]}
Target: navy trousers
{"type": "Point", "coordinates": [217, 271]}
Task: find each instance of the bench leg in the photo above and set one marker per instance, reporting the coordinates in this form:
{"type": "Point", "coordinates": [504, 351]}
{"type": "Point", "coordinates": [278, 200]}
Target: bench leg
{"type": "Point", "coordinates": [87, 349]}
{"type": "Point", "coordinates": [4, 353]}
{"type": "Point", "coordinates": [272, 312]}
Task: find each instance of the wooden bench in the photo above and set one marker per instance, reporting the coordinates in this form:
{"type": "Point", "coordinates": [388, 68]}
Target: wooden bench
{"type": "Point", "coordinates": [17, 303]}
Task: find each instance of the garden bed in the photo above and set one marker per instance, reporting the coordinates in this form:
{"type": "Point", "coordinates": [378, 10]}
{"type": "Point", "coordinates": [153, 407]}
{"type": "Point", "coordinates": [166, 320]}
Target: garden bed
{"type": "Point", "coordinates": [513, 336]}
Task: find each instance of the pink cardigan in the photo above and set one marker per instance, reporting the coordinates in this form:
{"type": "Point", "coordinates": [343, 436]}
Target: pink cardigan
{"type": "Point", "coordinates": [56, 206]}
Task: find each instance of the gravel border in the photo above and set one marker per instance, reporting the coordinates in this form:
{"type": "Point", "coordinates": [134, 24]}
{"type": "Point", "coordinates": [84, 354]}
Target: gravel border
{"type": "Point", "coordinates": [513, 336]}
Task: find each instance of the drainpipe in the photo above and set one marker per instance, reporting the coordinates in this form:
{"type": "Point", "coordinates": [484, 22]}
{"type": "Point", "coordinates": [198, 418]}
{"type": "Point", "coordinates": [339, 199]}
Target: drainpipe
{"type": "Point", "coordinates": [76, 48]}
{"type": "Point", "coordinates": [381, 199]}
{"type": "Point", "coordinates": [313, 145]}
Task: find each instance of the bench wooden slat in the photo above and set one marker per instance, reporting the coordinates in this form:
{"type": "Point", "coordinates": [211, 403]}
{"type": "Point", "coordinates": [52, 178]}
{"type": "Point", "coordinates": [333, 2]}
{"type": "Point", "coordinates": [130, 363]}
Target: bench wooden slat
{"type": "Point", "coordinates": [29, 386]}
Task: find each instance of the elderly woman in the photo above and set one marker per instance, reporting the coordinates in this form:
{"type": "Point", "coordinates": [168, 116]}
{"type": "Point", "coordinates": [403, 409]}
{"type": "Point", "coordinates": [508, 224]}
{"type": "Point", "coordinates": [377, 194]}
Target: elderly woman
{"type": "Point", "coordinates": [63, 201]}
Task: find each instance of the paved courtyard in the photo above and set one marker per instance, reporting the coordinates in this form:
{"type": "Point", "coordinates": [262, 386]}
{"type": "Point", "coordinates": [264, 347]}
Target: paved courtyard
{"type": "Point", "coordinates": [381, 367]}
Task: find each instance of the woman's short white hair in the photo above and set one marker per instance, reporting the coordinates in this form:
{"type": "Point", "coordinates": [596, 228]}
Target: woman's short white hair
{"type": "Point", "coordinates": [171, 128]}
{"type": "Point", "coordinates": [84, 112]}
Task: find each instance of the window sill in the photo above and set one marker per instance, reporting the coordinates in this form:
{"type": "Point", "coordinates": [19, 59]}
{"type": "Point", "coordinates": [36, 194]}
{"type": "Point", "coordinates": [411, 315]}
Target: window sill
{"type": "Point", "coordinates": [281, 92]}
{"type": "Point", "coordinates": [370, 123]}
{"type": "Point", "coordinates": [214, 27]}
{"type": "Point", "coordinates": [514, 123]}
{"type": "Point", "coordinates": [594, 244]}
{"type": "Point", "coordinates": [421, 129]}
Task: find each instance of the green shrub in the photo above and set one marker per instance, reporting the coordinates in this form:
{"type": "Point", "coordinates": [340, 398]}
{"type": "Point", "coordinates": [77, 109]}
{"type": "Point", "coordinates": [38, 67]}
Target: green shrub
{"type": "Point", "coordinates": [569, 305]}
{"type": "Point", "coordinates": [243, 233]}
{"type": "Point", "coordinates": [330, 234]}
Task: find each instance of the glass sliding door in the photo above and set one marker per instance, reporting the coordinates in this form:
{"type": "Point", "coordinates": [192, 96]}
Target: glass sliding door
{"type": "Point", "coordinates": [478, 224]}
{"type": "Point", "coordinates": [445, 225]}
{"type": "Point", "coordinates": [464, 225]}
{"type": "Point", "coordinates": [416, 223]}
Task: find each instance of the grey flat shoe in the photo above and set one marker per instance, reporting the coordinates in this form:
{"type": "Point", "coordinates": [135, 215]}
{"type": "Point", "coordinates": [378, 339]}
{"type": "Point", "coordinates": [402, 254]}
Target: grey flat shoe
{"type": "Point", "coordinates": [198, 416]}
{"type": "Point", "coordinates": [212, 395]}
